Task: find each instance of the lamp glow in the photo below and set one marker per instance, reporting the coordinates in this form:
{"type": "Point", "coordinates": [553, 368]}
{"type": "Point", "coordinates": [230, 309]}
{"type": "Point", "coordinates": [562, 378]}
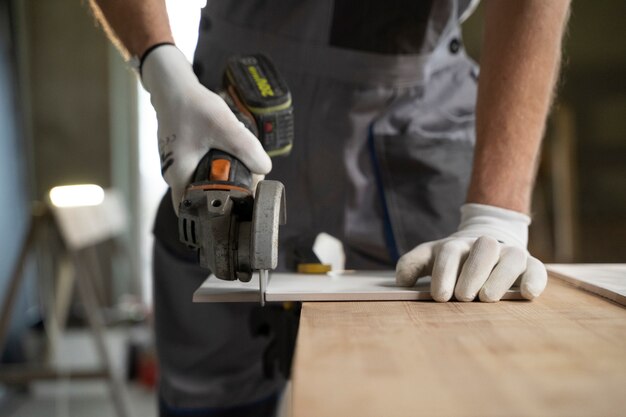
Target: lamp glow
{"type": "Point", "coordinates": [79, 195]}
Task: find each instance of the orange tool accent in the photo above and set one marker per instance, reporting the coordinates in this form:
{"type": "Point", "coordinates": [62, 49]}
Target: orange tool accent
{"type": "Point", "coordinates": [221, 187]}
{"type": "Point", "coordinates": [220, 170]}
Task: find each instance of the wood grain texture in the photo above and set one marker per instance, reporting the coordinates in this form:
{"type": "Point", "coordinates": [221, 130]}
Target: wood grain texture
{"type": "Point", "coordinates": [563, 354]}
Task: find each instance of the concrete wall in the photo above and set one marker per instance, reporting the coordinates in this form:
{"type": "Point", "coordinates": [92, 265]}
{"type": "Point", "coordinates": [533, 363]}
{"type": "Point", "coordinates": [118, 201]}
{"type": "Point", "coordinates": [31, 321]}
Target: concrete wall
{"type": "Point", "coordinates": [70, 119]}
{"type": "Point", "coordinates": [82, 112]}
{"type": "Point", "coordinates": [69, 84]}
{"type": "Point", "coordinates": [14, 175]}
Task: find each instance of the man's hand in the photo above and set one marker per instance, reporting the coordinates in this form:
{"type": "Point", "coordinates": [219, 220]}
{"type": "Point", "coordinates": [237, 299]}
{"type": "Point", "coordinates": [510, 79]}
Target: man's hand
{"type": "Point", "coordinates": [484, 257]}
{"type": "Point", "coordinates": [192, 120]}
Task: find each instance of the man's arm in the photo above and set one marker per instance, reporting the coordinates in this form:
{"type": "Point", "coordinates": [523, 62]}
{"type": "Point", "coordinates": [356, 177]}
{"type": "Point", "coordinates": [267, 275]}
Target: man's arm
{"type": "Point", "coordinates": [487, 253]}
{"type": "Point", "coordinates": [134, 25]}
{"type": "Point", "coordinates": [519, 68]}
{"type": "Point", "coordinates": [191, 119]}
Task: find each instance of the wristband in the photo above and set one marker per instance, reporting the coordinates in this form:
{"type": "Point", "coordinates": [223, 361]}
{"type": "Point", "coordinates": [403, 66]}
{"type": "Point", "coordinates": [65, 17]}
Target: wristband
{"type": "Point", "coordinates": [137, 63]}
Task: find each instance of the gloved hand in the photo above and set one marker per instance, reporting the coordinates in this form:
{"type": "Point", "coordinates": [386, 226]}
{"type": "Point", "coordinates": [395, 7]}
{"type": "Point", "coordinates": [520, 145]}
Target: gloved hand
{"type": "Point", "coordinates": [192, 120]}
{"type": "Point", "coordinates": [484, 257]}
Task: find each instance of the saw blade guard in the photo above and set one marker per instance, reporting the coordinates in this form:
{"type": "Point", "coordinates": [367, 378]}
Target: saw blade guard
{"type": "Point", "coordinates": [270, 212]}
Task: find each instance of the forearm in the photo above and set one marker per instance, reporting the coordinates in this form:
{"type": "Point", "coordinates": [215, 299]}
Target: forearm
{"type": "Point", "coordinates": [134, 25]}
{"type": "Point", "coordinates": [519, 68]}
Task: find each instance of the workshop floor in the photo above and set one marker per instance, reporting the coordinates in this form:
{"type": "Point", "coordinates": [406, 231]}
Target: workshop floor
{"type": "Point", "coordinates": [66, 398]}
{"type": "Point", "coordinates": [74, 398]}
{"type": "Point", "coordinates": [97, 403]}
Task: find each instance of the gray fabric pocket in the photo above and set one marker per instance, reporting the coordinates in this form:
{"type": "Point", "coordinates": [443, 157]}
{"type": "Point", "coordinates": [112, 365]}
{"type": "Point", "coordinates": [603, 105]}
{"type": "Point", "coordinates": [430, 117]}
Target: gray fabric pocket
{"type": "Point", "coordinates": [423, 147]}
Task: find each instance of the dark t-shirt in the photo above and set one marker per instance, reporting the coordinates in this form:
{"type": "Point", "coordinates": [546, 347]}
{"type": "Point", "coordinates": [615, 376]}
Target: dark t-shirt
{"type": "Point", "coordinates": [387, 27]}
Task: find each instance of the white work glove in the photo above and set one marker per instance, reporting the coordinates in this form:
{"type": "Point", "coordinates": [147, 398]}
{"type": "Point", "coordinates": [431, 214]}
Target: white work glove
{"type": "Point", "coordinates": [192, 120]}
{"type": "Point", "coordinates": [484, 257]}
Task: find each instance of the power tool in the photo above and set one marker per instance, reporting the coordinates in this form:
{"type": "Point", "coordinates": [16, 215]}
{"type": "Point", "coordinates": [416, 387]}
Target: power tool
{"type": "Point", "coordinates": [234, 231]}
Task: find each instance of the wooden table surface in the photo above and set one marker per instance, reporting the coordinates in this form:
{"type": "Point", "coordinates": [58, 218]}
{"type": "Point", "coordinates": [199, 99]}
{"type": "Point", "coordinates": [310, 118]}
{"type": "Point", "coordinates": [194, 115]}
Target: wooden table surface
{"type": "Point", "coordinates": [563, 354]}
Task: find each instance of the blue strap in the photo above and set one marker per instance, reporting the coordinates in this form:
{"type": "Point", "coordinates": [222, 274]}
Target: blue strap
{"type": "Point", "coordinates": [390, 239]}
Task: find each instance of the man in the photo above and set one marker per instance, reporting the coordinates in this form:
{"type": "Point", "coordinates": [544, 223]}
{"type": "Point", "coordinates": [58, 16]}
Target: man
{"type": "Point", "coordinates": [388, 109]}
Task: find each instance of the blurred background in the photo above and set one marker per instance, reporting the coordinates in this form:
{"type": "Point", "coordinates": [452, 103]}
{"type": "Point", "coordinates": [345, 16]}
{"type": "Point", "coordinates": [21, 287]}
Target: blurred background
{"type": "Point", "coordinates": [72, 112]}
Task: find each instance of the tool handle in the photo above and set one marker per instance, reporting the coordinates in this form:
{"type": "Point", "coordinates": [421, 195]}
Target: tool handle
{"type": "Point", "coordinates": [220, 167]}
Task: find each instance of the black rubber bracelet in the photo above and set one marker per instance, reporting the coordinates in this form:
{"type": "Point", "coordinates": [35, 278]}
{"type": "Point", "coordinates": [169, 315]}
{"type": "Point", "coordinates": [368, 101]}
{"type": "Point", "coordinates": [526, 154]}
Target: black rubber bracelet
{"type": "Point", "coordinates": [150, 49]}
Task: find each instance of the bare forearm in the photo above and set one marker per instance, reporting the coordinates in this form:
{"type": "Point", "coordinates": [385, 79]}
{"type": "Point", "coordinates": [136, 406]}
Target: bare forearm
{"type": "Point", "coordinates": [134, 25]}
{"type": "Point", "coordinates": [519, 68]}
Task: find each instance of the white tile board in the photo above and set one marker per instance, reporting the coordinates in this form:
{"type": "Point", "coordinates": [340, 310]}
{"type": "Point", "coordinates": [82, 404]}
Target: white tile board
{"type": "Point", "coordinates": [335, 286]}
{"type": "Point", "coordinates": [606, 280]}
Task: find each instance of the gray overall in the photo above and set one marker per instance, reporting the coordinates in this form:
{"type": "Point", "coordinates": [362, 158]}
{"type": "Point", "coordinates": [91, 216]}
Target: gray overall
{"type": "Point", "coordinates": [381, 160]}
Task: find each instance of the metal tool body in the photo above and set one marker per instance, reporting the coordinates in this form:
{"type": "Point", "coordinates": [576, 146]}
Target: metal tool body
{"type": "Point", "coordinates": [234, 230]}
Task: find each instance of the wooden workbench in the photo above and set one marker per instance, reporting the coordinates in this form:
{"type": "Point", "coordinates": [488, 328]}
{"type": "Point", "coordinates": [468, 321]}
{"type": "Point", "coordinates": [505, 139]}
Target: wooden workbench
{"type": "Point", "coordinates": [563, 354]}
